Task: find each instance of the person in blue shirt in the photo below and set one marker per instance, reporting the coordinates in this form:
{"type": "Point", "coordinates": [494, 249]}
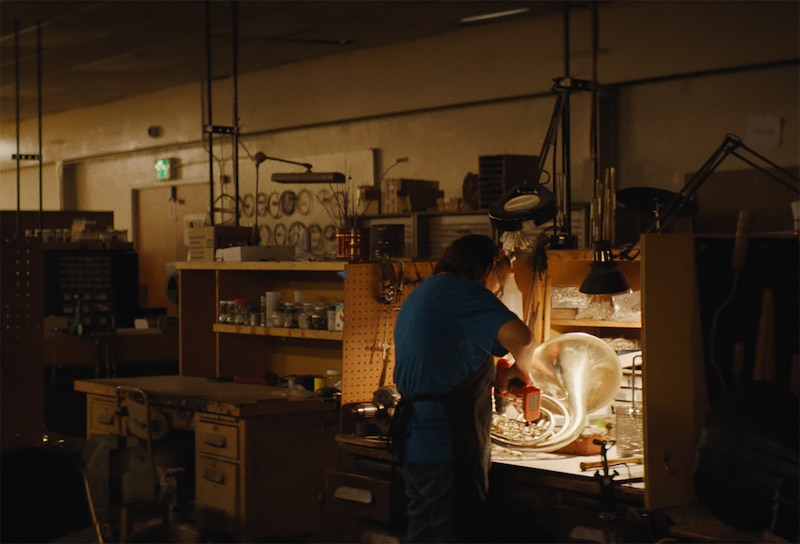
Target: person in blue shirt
{"type": "Point", "coordinates": [447, 334]}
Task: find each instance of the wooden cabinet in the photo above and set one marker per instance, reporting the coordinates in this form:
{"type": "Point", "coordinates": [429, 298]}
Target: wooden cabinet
{"type": "Point", "coordinates": [262, 471]}
{"type": "Point", "coordinates": [209, 348]}
{"type": "Point", "coordinates": [566, 269]}
{"type": "Point", "coordinates": [258, 459]}
{"type": "Point", "coordinates": [259, 454]}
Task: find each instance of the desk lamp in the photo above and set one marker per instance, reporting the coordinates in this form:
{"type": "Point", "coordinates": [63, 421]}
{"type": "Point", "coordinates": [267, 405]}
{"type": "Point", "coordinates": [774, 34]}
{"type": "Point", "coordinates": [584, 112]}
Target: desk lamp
{"type": "Point", "coordinates": [603, 278]}
{"type": "Point", "coordinates": [731, 145]}
{"type": "Point", "coordinates": [304, 177]}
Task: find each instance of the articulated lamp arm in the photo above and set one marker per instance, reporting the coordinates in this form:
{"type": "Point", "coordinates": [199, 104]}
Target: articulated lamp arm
{"type": "Point", "coordinates": [731, 145]}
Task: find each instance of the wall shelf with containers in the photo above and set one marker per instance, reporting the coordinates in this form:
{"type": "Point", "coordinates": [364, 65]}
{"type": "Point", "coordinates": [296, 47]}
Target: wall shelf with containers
{"type": "Point", "coordinates": [215, 348]}
{"type": "Point", "coordinates": [568, 310]}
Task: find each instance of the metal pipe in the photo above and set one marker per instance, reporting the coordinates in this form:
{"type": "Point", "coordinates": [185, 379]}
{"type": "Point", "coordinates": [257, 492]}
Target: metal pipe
{"type": "Point", "coordinates": [235, 124]}
{"type": "Point", "coordinates": [16, 104]}
{"type": "Point", "coordinates": [208, 121]}
{"type": "Point", "coordinates": [39, 113]}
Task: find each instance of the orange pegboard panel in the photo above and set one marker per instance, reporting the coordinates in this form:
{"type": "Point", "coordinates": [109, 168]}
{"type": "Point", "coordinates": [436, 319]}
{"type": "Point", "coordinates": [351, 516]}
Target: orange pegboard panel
{"type": "Point", "coordinates": [368, 351]}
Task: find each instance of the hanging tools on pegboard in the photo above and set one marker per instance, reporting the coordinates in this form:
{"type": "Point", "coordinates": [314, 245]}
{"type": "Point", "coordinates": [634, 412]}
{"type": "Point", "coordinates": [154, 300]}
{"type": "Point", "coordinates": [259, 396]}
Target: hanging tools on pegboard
{"type": "Point", "coordinates": [375, 295]}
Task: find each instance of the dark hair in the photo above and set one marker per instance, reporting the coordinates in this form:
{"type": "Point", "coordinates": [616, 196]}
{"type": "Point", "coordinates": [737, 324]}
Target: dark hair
{"type": "Point", "coordinates": [470, 257]}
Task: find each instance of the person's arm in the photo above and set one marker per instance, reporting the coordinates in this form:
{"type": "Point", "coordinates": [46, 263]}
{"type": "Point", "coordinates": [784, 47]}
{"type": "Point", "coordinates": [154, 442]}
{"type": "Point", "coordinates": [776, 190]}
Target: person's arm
{"type": "Point", "coordinates": [516, 337]}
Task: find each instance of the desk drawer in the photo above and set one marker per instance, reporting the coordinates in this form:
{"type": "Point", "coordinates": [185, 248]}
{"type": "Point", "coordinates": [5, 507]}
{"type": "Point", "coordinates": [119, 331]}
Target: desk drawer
{"type": "Point", "coordinates": [217, 488]}
{"type": "Point", "coordinates": [102, 417]}
{"type": "Point", "coordinates": [360, 496]}
{"type": "Point", "coordinates": [217, 438]}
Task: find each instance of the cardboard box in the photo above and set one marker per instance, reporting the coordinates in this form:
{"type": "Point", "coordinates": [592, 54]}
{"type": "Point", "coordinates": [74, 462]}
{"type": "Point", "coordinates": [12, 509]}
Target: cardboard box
{"type": "Point", "coordinates": [217, 236]}
{"type": "Point", "coordinates": [202, 242]}
{"type": "Point", "coordinates": [400, 195]}
{"type": "Point", "coordinates": [256, 253]}
{"type": "Point", "coordinates": [200, 254]}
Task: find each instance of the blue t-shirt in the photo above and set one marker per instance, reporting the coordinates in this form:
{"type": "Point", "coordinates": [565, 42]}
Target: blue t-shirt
{"type": "Point", "coordinates": [445, 330]}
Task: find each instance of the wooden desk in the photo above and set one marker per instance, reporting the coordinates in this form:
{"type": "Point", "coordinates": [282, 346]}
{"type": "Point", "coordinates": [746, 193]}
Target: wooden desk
{"type": "Point", "coordinates": [259, 454]}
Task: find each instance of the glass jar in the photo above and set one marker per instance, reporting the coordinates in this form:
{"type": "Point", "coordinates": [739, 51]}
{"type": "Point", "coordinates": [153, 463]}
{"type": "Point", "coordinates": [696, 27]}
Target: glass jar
{"type": "Point", "coordinates": [333, 378]}
{"type": "Point", "coordinates": [254, 316]}
{"type": "Point", "coordinates": [224, 311]}
{"type": "Point", "coordinates": [241, 311]}
{"type": "Point", "coordinates": [304, 316]}
{"type": "Point", "coordinates": [319, 317]}
{"type": "Point", "coordinates": [276, 317]}
{"type": "Point", "coordinates": [289, 315]}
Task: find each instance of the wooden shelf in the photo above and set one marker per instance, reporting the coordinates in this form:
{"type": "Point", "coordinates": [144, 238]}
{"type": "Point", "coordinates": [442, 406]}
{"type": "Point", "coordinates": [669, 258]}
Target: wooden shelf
{"type": "Point", "coordinates": [211, 348]}
{"type": "Point", "coordinates": [279, 332]}
{"type": "Point", "coordinates": [300, 266]}
{"type": "Point", "coordinates": [596, 323]}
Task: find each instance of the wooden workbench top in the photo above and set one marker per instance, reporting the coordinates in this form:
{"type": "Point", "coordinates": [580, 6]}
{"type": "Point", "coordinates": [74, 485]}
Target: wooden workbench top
{"type": "Point", "coordinates": [209, 395]}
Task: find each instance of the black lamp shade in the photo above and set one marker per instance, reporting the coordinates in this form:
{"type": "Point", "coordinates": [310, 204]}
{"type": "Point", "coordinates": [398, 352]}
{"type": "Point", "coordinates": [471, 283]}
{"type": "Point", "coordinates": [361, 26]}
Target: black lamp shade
{"type": "Point", "coordinates": [603, 278]}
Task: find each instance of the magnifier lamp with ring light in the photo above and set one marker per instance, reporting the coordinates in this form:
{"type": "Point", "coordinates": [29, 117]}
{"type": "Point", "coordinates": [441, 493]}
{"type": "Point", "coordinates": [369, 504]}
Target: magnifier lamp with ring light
{"type": "Point", "coordinates": [532, 201]}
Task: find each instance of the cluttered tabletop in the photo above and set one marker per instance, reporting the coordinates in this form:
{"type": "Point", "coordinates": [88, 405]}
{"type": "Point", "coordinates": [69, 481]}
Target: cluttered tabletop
{"type": "Point", "coordinates": [217, 395]}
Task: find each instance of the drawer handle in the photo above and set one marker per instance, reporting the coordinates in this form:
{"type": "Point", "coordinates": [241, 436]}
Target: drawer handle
{"type": "Point", "coordinates": [216, 476]}
{"type": "Point", "coordinates": [106, 418]}
{"type": "Point", "coordinates": [214, 440]}
{"type": "Point", "coordinates": [353, 494]}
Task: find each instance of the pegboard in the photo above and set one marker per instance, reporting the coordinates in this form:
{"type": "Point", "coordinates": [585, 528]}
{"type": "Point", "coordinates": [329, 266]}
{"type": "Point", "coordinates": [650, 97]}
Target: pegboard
{"type": "Point", "coordinates": [21, 339]}
{"type": "Point", "coordinates": [368, 351]}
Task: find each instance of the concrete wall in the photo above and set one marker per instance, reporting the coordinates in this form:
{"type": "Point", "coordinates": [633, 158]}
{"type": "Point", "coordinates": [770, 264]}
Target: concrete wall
{"type": "Point", "coordinates": [686, 74]}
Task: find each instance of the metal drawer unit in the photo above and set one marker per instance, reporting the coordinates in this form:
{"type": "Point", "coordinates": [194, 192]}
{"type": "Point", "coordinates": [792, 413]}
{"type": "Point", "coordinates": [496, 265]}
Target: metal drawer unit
{"type": "Point", "coordinates": [366, 486]}
{"type": "Point", "coordinates": [217, 471]}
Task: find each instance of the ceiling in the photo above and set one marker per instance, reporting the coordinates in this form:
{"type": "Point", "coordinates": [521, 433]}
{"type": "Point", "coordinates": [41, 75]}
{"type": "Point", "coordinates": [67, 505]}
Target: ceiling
{"type": "Point", "coordinates": [95, 52]}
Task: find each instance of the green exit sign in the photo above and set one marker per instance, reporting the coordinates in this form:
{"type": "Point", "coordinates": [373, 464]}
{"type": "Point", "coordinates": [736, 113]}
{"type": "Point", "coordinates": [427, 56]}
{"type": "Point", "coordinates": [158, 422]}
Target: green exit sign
{"type": "Point", "coordinates": [165, 169]}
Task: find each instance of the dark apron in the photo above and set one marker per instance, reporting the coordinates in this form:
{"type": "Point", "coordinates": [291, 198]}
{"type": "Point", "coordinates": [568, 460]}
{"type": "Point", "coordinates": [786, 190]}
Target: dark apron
{"type": "Point", "coordinates": [469, 413]}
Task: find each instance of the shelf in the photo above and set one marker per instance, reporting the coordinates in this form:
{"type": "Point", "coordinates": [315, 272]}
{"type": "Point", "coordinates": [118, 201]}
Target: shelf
{"type": "Point", "coordinates": [281, 332]}
{"type": "Point", "coordinates": [283, 266]}
{"type": "Point", "coordinates": [211, 348]}
{"type": "Point", "coordinates": [596, 323]}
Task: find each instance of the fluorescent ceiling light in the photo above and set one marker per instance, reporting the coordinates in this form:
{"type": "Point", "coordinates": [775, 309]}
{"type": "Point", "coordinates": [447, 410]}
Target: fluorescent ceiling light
{"type": "Point", "coordinates": [495, 15]}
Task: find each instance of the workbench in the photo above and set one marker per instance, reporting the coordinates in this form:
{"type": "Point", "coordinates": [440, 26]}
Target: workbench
{"type": "Point", "coordinates": [547, 495]}
{"type": "Point", "coordinates": [259, 451]}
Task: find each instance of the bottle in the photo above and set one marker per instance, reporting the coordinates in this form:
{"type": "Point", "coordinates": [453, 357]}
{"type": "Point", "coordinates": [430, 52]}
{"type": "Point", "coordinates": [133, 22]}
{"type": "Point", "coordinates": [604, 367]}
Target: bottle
{"type": "Point", "coordinates": [512, 296]}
